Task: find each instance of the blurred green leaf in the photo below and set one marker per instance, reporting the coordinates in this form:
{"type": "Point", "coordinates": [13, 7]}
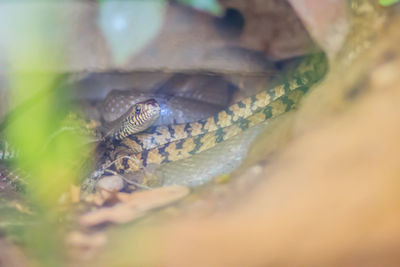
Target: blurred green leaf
{"type": "Point", "coordinates": [31, 42]}
{"type": "Point", "coordinates": [32, 37]}
{"type": "Point", "coordinates": [210, 6]}
{"type": "Point", "coordinates": [388, 2]}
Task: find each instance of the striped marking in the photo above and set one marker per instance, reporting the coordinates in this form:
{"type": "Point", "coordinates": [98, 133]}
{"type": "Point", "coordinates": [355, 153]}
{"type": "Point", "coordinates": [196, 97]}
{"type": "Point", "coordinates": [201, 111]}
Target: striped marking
{"type": "Point", "coordinates": [156, 136]}
{"type": "Point", "coordinates": [164, 144]}
{"type": "Point", "coordinates": [181, 149]}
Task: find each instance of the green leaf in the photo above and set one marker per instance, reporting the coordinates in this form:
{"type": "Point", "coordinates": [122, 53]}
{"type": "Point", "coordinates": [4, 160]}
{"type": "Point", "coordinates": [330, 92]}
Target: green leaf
{"type": "Point", "coordinates": [210, 6]}
{"type": "Point", "coordinates": [32, 36]}
{"type": "Point", "coordinates": [388, 2]}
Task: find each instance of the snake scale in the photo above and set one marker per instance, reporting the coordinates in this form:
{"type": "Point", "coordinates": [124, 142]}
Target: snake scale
{"type": "Point", "coordinates": [162, 144]}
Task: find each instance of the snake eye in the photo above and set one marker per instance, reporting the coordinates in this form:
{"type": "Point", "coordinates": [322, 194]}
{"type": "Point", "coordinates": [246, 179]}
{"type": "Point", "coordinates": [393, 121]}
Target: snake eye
{"type": "Point", "coordinates": [137, 111]}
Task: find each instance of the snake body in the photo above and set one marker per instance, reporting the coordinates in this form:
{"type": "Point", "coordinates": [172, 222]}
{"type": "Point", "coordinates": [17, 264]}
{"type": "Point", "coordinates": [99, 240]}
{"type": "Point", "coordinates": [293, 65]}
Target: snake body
{"type": "Point", "coordinates": [163, 144]}
{"type": "Point", "coordinates": [128, 151]}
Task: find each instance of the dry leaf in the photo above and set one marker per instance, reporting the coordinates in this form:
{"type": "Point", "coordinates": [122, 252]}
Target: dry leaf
{"type": "Point", "coordinates": [79, 239]}
{"type": "Point", "coordinates": [134, 205]}
{"type": "Point", "coordinates": [75, 193]}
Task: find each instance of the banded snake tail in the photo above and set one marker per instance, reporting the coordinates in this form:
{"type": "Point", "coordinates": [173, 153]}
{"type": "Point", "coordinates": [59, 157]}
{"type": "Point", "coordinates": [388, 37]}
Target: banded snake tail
{"type": "Point", "coordinates": [164, 144]}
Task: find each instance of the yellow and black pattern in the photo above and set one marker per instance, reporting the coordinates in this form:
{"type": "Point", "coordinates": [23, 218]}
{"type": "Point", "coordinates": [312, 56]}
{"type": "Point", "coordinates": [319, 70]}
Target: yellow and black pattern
{"type": "Point", "coordinates": [163, 144]}
{"type": "Point", "coordinates": [308, 73]}
{"type": "Point", "coordinates": [138, 118]}
{"type": "Point", "coordinates": [184, 148]}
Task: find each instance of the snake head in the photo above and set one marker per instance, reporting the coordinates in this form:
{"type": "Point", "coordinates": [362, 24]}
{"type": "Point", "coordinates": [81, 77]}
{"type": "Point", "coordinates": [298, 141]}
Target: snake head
{"type": "Point", "coordinates": [145, 111]}
{"type": "Point", "coordinates": [141, 116]}
{"type": "Point", "coordinates": [138, 118]}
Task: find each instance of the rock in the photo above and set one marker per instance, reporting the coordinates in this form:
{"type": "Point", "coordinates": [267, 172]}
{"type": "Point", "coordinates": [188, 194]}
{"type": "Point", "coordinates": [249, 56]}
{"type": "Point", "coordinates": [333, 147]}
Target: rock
{"type": "Point", "coordinates": [113, 183]}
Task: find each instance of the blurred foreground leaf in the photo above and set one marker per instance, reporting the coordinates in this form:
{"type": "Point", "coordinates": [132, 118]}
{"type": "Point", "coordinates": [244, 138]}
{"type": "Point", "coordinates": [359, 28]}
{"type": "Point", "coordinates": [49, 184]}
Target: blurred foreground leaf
{"type": "Point", "coordinates": [388, 2]}
{"type": "Point", "coordinates": [210, 6]}
{"type": "Point", "coordinates": [34, 40]}
{"type": "Point", "coordinates": [47, 159]}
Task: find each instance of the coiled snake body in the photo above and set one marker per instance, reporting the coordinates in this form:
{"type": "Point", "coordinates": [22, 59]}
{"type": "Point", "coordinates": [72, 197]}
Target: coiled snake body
{"type": "Point", "coordinates": [127, 151]}
{"type": "Point", "coordinates": [163, 144]}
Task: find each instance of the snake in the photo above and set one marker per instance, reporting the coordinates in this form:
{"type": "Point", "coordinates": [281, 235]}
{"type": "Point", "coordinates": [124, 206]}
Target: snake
{"type": "Point", "coordinates": [181, 98]}
{"type": "Point", "coordinates": [132, 144]}
{"type": "Point", "coordinates": [167, 143]}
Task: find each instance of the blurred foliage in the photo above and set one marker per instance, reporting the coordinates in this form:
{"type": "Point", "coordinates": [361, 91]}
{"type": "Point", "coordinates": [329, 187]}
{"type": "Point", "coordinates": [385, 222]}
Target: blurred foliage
{"type": "Point", "coordinates": [210, 6]}
{"type": "Point", "coordinates": [49, 159]}
{"type": "Point", "coordinates": [388, 2]}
